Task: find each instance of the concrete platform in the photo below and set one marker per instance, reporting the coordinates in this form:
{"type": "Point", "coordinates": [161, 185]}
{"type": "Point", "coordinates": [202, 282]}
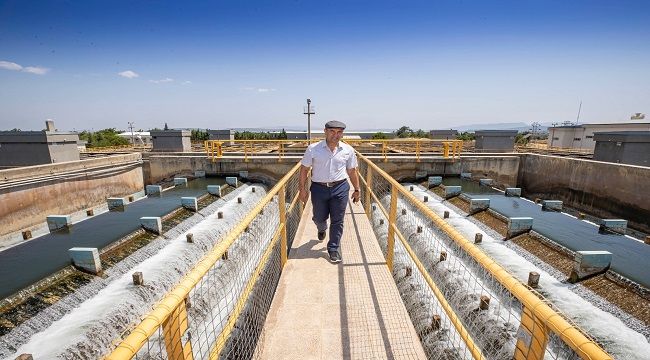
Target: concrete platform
{"type": "Point", "coordinates": [350, 310]}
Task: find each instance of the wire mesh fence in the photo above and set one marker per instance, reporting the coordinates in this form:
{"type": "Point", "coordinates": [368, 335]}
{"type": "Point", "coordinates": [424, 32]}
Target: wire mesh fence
{"type": "Point", "coordinates": [466, 310]}
{"type": "Point", "coordinates": [219, 308]}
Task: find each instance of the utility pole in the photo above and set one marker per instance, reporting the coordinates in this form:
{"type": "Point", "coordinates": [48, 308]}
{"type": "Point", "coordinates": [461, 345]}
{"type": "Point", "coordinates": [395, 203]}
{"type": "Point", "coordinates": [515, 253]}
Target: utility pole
{"type": "Point", "coordinates": [309, 111]}
{"type": "Point", "coordinates": [578, 117]}
{"type": "Point", "coordinates": [131, 128]}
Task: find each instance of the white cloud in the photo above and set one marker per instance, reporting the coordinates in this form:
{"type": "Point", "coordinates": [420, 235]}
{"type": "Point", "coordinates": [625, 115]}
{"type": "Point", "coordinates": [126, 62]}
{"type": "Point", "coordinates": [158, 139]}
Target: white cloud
{"type": "Point", "coordinates": [128, 74]}
{"type": "Point", "coordinates": [165, 80]}
{"type": "Point", "coordinates": [261, 90]}
{"type": "Point", "coordinates": [36, 70]}
{"type": "Point", "coordinates": [187, 82]}
{"type": "Point", "coordinates": [8, 65]}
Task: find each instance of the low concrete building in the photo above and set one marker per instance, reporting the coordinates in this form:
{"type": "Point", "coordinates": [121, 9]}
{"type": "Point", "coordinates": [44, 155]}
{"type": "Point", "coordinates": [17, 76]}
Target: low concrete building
{"type": "Point", "coordinates": [171, 140]}
{"type": "Point", "coordinates": [625, 147]}
{"type": "Point", "coordinates": [227, 134]}
{"type": "Point", "coordinates": [444, 134]}
{"type": "Point", "coordinates": [24, 148]}
{"type": "Point", "coordinates": [495, 140]}
{"type": "Point", "coordinates": [582, 136]}
{"type": "Point", "coordinates": [141, 138]}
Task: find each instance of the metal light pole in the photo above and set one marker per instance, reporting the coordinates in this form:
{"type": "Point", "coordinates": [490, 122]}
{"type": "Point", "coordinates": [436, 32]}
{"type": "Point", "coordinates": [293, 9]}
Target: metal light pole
{"type": "Point", "coordinates": [131, 128]}
{"type": "Point", "coordinates": [309, 112]}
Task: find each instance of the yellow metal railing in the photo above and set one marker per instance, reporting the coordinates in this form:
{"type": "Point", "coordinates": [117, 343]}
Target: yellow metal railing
{"type": "Point", "coordinates": [215, 149]}
{"type": "Point", "coordinates": [538, 321]}
{"type": "Point", "coordinates": [169, 318]}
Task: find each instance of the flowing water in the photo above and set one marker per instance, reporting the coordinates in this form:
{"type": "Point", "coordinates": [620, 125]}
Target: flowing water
{"type": "Point", "coordinates": [617, 338]}
{"type": "Point", "coordinates": [49, 253]}
{"type": "Point", "coordinates": [629, 256]}
{"type": "Point", "coordinates": [84, 324]}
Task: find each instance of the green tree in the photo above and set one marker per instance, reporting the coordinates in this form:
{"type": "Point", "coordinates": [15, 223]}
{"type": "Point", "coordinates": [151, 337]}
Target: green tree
{"type": "Point", "coordinates": [404, 132]}
{"type": "Point", "coordinates": [379, 136]}
{"type": "Point", "coordinates": [166, 127]}
{"type": "Point", "coordinates": [465, 136]}
{"type": "Point", "coordinates": [103, 138]}
{"type": "Point", "coordinates": [199, 135]}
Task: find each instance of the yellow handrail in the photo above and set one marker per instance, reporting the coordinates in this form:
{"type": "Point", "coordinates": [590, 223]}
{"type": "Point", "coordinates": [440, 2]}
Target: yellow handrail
{"type": "Point", "coordinates": [555, 322]}
{"type": "Point", "coordinates": [451, 148]}
{"type": "Point", "coordinates": [176, 298]}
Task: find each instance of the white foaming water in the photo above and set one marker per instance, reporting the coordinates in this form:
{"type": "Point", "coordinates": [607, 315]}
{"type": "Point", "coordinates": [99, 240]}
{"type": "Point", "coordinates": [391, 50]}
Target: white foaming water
{"type": "Point", "coordinates": [494, 329]}
{"type": "Point", "coordinates": [420, 302]}
{"type": "Point", "coordinates": [87, 330]}
{"type": "Point", "coordinates": [618, 339]}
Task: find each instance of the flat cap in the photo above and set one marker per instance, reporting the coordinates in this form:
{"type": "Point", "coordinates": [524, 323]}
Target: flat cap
{"type": "Point", "coordinates": [334, 124]}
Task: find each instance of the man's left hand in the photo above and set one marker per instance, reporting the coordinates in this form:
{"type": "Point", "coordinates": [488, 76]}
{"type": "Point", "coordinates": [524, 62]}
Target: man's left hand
{"type": "Point", "coordinates": [355, 196]}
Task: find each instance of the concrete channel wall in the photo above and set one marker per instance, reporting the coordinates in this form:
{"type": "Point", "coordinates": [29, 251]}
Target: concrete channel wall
{"type": "Point", "coordinates": [606, 190]}
{"type": "Point", "coordinates": [502, 168]}
{"type": "Point", "coordinates": [268, 170]}
{"type": "Point", "coordinates": [30, 194]}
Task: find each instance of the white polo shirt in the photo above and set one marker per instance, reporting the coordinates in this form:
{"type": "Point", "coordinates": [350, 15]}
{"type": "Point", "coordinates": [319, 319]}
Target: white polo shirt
{"type": "Point", "coordinates": [328, 165]}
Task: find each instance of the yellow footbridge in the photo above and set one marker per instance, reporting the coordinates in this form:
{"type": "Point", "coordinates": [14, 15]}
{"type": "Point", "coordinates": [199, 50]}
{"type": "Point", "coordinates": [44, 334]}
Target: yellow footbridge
{"type": "Point", "coordinates": [381, 302]}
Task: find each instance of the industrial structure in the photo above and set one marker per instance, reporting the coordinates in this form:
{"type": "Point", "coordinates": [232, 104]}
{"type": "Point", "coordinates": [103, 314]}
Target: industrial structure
{"type": "Point", "coordinates": [625, 147]}
{"type": "Point", "coordinates": [495, 140]}
{"type": "Point", "coordinates": [443, 134]}
{"type": "Point", "coordinates": [24, 148]}
{"type": "Point", "coordinates": [582, 136]}
{"type": "Point", "coordinates": [171, 140]}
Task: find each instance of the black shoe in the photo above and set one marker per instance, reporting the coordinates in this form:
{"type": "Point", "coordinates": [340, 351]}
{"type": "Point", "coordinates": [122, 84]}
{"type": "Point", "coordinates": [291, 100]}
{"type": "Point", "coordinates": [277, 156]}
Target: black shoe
{"type": "Point", "coordinates": [321, 235]}
{"type": "Point", "coordinates": [335, 257]}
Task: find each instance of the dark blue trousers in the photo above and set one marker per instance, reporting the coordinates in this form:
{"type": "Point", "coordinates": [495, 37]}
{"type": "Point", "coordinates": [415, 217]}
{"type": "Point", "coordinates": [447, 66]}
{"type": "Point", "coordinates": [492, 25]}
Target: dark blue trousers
{"type": "Point", "coordinates": [330, 202]}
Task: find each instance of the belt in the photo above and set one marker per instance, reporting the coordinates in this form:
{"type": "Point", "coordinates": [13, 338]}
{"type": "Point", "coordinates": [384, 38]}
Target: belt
{"type": "Point", "coordinates": [329, 184]}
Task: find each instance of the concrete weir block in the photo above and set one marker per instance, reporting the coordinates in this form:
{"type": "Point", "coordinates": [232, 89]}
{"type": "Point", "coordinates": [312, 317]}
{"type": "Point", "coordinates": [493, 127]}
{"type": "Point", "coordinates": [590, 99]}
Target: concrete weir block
{"type": "Point", "coordinates": [152, 223]}
{"type": "Point", "coordinates": [86, 259]}
{"type": "Point", "coordinates": [588, 263]}
{"type": "Point", "coordinates": [58, 222]}
{"type": "Point", "coordinates": [478, 205]}
{"type": "Point", "coordinates": [420, 174]}
{"type": "Point", "coordinates": [199, 173]}
{"type": "Point", "coordinates": [467, 176]}
{"type": "Point", "coordinates": [434, 181]}
{"type": "Point", "coordinates": [116, 204]}
{"type": "Point", "coordinates": [451, 191]}
{"type": "Point", "coordinates": [232, 181]}
{"type": "Point", "coordinates": [214, 190]}
{"type": "Point", "coordinates": [485, 182]}
{"type": "Point", "coordinates": [519, 225]}
{"type": "Point", "coordinates": [190, 203]}
{"type": "Point", "coordinates": [180, 181]}
{"type": "Point", "coordinates": [513, 191]}
{"type": "Point", "coordinates": [551, 205]}
{"type": "Point", "coordinates": [153, 189]}
{"type": "Point", "coordinates": [613, 225]}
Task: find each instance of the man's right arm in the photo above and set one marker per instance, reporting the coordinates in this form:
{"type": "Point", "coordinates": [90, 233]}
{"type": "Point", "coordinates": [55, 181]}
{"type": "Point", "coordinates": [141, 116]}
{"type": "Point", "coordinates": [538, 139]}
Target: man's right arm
{"type": "Point", "coordinates": [304, 172]}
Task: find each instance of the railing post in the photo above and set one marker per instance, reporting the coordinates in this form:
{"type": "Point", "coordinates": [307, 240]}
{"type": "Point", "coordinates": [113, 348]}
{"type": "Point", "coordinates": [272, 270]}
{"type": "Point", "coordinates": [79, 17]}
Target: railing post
{"type": "Point", "coordinates": [368, 190]}
{"type": "Point", "coordinates": [174, 327]}
{"type": "Point", "coordinates": [383, 150]}
{"type": "Point", "coordinates": [280, 151]}
{"type": "Point", "coordinates": [532, 337]}
{"type": "Point", "coordinates": [417, 150]}
{"type": "Point", "coordinates": [392, 217]}
{"type": "Point", "coordinates": [283, 223]}
{"type": "Point", "coordinates": [445, 153]}
{"type": "Point", "coordinates": [219, 150]}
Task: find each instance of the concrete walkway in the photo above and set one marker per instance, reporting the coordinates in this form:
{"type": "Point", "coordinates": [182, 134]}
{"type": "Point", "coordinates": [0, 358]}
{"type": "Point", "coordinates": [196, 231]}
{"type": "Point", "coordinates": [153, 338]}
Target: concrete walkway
{"type": "Point", "coordinates": [350, 310]}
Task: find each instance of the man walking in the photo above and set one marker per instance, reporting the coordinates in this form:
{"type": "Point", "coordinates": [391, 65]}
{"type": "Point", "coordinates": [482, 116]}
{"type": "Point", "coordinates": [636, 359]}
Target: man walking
{"type": "Point", "coordinates": [332, 163]}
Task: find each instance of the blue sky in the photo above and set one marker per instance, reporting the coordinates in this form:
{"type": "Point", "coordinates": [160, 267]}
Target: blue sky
{"type": "Point", "coordinates": [372, 64]}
